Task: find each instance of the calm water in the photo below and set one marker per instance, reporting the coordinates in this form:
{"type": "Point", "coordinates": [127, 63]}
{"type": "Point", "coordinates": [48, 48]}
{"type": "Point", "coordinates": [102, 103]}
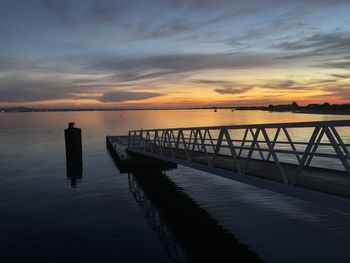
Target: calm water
{"type": "Point", "coordinates": [109, 216]}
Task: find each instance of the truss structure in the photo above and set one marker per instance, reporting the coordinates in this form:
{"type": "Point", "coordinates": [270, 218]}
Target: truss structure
{"type": "Point", "coordinates": [319, 144]}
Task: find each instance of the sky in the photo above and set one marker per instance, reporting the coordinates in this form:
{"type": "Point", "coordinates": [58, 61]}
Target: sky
{"type": "Point", "coordinates": [173, 53]}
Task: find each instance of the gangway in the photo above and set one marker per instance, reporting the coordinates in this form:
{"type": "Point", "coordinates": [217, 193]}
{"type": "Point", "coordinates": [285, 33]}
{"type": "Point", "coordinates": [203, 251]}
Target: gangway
{"type": "Point", "coordinates": [308, 160]}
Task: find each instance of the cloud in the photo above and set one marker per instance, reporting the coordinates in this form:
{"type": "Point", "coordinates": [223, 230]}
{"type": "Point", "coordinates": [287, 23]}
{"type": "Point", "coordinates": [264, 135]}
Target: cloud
{"type": "Point", "coordinates": [285, 85]}
{"type": "Point", "coordinates": [213, 82]}
{"type": "Point", "coordinates": [121, 96]}
{"type": "Point", "coordinates": [341, 76]}
{"type": "Point", "coordinates": [276, 85]}
{"type": "Point", "coordinates": [317, 45]}
{"type": "Point", "coordinates": [340, 65]}
{"type": "Point", "coordinates": [31, 94]}
{"type": "Point", "coordinates": [79, 13]}
{"type": "Point", "coordinates": [342, 91]}
{"type": "Point", "coordinates": [26, 89]}
{"type": "Point", "coordinates": [165, 65]}
{"type": "Point", "coordinates": [17, 89]}
{"type": "Point", "coordinates": [201, 4]}
{"type": "Point", "coordinates": [232, 90]}
{"type": "Point", "coordinates": [227, 87]}
{"type": "Point", "coordinates": [105, 11]}
{"type": "Point", "coordinates": [195, 15]}
{"type": "Point", "coordinates": [137, 17]}
{"type": "Point", "coordinates": [62, 9]}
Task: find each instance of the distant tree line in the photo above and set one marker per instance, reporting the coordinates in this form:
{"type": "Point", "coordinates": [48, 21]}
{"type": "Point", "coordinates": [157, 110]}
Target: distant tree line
{"type": "Point", "coordinates": [311, 108]}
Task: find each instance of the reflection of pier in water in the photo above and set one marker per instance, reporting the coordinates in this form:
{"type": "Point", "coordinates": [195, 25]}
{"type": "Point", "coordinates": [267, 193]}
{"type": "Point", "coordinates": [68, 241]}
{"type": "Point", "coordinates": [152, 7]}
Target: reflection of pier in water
{"type": "Point", "coordinates": [183, 227]}
{"type": "Point", "coordinates": [154, 218]}
{"type": "Point", "coordinates": [74, 179]}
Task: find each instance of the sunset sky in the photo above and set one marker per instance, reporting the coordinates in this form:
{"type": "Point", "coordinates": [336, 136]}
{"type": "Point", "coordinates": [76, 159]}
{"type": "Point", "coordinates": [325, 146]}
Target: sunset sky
{"type": "Point", "coordinates": [173, 53]}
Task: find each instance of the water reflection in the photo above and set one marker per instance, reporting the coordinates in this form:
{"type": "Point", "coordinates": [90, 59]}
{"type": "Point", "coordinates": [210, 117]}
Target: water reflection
{"type": "Point", "coordinates": [74, 173]}
{"type": "Point", "coordinates": [182, 226]}
{"type": "Point", "coordinates": [74, 178]}
{"type": "Point", "coordinates": [39, 214]}
{"type": "Point", "coordinates": [155, 219]}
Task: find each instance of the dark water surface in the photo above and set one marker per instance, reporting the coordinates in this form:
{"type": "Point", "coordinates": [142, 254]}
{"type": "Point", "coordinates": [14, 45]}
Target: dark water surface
{"type": "Point", "coordinates": [110, 216]}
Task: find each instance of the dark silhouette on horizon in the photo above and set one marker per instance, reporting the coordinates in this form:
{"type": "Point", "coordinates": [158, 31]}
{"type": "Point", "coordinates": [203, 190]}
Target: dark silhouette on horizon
{"type": "Point", "coordinates": [324, 108]}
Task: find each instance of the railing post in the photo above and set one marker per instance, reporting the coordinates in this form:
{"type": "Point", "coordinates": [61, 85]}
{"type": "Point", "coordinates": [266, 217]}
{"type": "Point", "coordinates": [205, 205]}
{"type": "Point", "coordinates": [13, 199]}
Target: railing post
{"type": "Point", "coordinates": [211, 140]}
{"type": "Point", "coordinates": [233, 151]}
{"type": "Point", "coordinates": [306, 154]}
{"type": "Point", "coordinates": [274, 142]}
{"type": "Point", "coordinates": [291, 144]}
{"type": "Point", "coordinates": [134, 140]}
{"type": "Point", "coordinates": [188, 158]}
{"type": "Point", "coordinates": [203, 147]}
{"type": "Point", "coordinates": [129, 135]}
{"type": "Point", "coordinates": [257, 146]}
{"type": "Point", "coordinates": [274, 155]}
{"type": "Point", "coordinates": [140, 139]}
{"type": "Point", "coordinates": [315, 146]}
{"type": "Point", "coordinates": [337, 136]}
{"type": "Point", "coordinates": [243, 142]}
{"type": "Point", "coordinates": [337, 150]}
{"type": "Point", "coordinates": [218, 146]}
{"type": "Point", "coordinates": [255, 138]}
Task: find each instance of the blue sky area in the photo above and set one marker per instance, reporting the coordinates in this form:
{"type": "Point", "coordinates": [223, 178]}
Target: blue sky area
{"type": "Point", "coordinates": [173, 53]}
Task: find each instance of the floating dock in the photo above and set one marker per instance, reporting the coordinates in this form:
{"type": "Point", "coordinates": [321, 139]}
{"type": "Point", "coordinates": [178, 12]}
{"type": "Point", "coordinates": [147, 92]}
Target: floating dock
{"type": "Point", "coordinates": [128, 162]}
{"type": "Point", "coordinates": [262, 159]}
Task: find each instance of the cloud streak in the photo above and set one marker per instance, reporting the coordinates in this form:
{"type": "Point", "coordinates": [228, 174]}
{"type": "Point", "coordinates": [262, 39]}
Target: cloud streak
{"type": "Point", "coordinates": [232, 90]}
{"type": "Point", "coordinates": [27, 89]}
{"type": "Point", "coordinates": [334, 46]}
{"type": "Point", "coordinates": [164, 65]}
{"type": "Point", "coordinates": [123, 96]}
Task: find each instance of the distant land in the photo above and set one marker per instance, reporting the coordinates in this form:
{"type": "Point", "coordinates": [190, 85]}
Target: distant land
{"type": "Point", "coordinates": [28, 109]}
{"type": "Point", "coordinates": [325, 108]}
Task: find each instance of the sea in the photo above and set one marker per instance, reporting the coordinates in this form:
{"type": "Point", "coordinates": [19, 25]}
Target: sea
{"type": "Point", "coordinates": [180, 215]}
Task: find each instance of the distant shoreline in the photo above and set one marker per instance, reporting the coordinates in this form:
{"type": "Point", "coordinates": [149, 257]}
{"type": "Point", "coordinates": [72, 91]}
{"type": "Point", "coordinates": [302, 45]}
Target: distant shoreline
{"type": "Point", "coordinates": [89, 110]}
{"type": "Point", "coordinates": [326, 109]}
{"type": "Point", "coordinates": [25, 109]}
{"type": "Point", "coordinates": [323, 112]}
{"type": "Point", "coordinates": [318, 112]}
{"type": "Point", "coordinates": [9, 110]}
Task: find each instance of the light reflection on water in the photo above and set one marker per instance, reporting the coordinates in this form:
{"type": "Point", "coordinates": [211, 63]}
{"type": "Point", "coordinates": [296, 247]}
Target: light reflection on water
{"type": "Point", "coordinates": [38, 204]}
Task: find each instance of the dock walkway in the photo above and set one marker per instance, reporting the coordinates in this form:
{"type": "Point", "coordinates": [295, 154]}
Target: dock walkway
{"type": "Point", "coordinates": [259, 155]}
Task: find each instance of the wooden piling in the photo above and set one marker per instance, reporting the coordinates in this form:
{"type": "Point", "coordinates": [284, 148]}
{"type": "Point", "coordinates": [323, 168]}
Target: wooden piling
{"type": "Point", "coordinates": [74, 160]}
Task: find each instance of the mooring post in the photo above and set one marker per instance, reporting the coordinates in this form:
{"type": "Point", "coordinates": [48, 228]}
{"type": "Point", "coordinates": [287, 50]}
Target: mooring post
{"type": "Point", "coordinates": [74, 160]}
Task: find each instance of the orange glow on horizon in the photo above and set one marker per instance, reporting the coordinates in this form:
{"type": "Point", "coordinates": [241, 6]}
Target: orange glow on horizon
{"type": "Point", "coordinates": [215, 91]}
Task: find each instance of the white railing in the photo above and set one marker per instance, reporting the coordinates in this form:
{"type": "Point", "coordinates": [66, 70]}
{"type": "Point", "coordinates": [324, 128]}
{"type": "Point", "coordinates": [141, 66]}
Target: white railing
{"type": "Point", "coordinates": [297, 143]}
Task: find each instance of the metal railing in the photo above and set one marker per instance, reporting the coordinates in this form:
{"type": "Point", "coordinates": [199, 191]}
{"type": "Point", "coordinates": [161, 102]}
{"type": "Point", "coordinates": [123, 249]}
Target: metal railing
{"type": "Point", "coordinates": [297, 143]}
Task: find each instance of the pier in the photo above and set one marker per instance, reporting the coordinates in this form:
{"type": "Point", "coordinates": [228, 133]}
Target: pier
{"type": "Point", "coordinates": [307, 160]}
{"type": "Point", "coordinates": [128, 161]}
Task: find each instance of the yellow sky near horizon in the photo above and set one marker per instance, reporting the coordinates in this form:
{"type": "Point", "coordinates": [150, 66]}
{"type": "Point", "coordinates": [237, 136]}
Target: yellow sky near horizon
{"type": "Point", "coordinates": [222, 88]}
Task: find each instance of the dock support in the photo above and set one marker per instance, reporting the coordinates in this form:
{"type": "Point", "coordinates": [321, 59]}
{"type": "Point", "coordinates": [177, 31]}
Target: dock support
{"type": "Point", "coordinates": [74, 160]}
